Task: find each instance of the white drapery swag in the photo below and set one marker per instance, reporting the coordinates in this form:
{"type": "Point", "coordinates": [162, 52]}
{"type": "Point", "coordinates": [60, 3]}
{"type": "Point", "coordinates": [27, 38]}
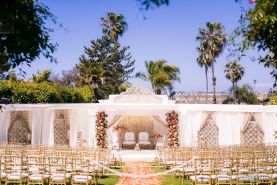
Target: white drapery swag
{"type": "Point", "coordinates": [82, 121]}
{"type": "Point", "coordinates": [43, 126]}
{"type": "Point", "coordinates": [4, 125]}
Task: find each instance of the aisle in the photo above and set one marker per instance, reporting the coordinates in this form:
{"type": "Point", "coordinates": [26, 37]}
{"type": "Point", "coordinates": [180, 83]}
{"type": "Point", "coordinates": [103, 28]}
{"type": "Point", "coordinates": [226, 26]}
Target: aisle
{"type": "Point", "coordinates": [132, 155]}
{"type": "Point", "coordinates": [138, 168]}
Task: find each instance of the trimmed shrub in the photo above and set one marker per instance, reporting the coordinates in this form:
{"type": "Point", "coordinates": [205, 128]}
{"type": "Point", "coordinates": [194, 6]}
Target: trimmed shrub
{"type": "Point", "coordinates": [45, 92]}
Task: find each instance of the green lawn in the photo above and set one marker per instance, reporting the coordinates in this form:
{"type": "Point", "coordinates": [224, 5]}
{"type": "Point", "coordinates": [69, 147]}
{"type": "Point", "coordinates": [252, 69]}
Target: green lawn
{"type": "Point", "coordinates": [168, 179]}
{"type": "Point", "coordinates": [108, 180]}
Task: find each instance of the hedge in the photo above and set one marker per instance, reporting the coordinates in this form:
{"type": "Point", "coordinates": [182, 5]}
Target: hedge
{"type": "Point", "coordinates": [30, 92]}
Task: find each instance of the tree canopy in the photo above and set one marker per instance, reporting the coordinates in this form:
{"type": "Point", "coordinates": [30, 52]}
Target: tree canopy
{"type": "Point", "coordinates": [24, 34]}
{"type": "Point", "coordinates": [106, 65]}
{"type": "Point", "coordinates": [258, 29]}
{"type": "Point", "coordinates": [160, 74]}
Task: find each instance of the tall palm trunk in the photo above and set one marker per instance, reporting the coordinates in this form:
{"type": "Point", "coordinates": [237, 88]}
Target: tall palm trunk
{"type": "Point", "coordinates": [207, 83]}
{"type": "Point", "coordinates": [233, 88]}
{"type": "Point", "coordinates": [214, 83]}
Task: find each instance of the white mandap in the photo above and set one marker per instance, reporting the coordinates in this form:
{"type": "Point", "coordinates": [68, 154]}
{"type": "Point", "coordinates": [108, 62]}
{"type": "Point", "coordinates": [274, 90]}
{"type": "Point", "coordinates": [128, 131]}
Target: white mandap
{"type": "Point", "coordinates": [143, 113]}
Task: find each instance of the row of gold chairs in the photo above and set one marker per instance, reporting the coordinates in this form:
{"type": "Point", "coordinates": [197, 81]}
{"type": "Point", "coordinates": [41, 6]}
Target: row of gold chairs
{"type": "Point", "coordinates": [29, 164]}
{"type": "Point", "coordinates": [252, 164]}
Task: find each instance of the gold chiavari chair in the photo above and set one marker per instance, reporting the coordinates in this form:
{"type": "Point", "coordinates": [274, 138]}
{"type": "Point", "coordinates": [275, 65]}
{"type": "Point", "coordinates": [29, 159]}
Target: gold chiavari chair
{"type": "Point", "coordinates": [243, 170]}
{"type": "Point", "coordinates": [202, 172]}
{"type": "Point", "coordinates": [57, 170]}
{"type": "Point", "coordinates": [2, 169]}
{"type": "Point", "coordinates": [273, 167]}
{"type": "Point", "coordinates": [263, 172]}
{"type": "Point", "coordinates": [187, 169]}
{"type": "Point", "coordinates": [16, 174]}
{"type": "Point", "coordinates": [223, 171]}
{"type": "Point", "coordinates": [37, 169]}
{"type": "Point", "coordinates": [81, 172]}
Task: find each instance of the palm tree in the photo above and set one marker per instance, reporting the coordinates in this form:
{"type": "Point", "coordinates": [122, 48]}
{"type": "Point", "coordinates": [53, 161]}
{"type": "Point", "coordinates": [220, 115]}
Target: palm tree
{"type": "Point", "coordinates": [203, 62]}
{"type": "Point", "coordinates": [212, 42]}
{"type": "Point", "coordinates": [234, 72]}
{"type": "Point", "coordinates": [160, 74]}
{"type": "Point", "coordinates": [114, 25]}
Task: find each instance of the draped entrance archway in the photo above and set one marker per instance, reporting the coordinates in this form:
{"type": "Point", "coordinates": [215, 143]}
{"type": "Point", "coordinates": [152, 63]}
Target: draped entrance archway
{"type": "Point", "coordinates": [152, 125]}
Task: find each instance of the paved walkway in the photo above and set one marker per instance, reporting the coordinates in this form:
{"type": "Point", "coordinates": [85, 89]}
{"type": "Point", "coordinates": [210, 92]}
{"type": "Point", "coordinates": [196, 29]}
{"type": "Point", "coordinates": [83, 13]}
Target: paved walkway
{"type": "Point", "coordinates": [138, 168]}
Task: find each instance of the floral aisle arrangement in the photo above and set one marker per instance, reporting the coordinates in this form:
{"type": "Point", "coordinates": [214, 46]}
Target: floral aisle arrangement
{"type": "Point", "coordinates": [120, 128]}
{"type": "Point", "coordinates": [172, 129]}
{"type": "Point", "coordinates": [101, 126]}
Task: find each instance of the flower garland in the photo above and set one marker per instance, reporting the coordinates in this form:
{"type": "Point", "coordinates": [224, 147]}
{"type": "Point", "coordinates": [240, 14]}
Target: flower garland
{"type": "Point", "coordinates": [156, 135]}
{"type": "Point", "coordinates": [101, 126]}
{"type": "Point", "coordinates": [172, 129]}
{"type": "Point", "coordinates": [120, 128]}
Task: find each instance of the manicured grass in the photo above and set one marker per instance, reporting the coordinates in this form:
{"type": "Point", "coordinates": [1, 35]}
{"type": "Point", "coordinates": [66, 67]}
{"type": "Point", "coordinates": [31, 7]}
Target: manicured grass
{"type": "Point", "coordinates": [108, 180]}
{"type": "Point", "coordinates": [168, 179]}
{"type": "Point", "coordinates": [111, 179]}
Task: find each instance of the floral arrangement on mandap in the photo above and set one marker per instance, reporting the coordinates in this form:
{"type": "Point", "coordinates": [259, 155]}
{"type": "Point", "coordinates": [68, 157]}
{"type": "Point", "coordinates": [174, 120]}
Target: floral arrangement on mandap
{"type": "Point", "coordinates": [156, 135]}
{"type": "Point", "coordinates": [120, 128]}
{"type": "Point", "coordinates": [172, 120]}
{"type": "Point", "coordinates": [101, 126]}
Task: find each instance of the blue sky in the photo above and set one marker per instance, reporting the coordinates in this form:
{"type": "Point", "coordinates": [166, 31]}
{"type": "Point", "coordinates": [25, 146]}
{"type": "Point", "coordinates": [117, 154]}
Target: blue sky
{"type": "Point", "coordinates": [167, 33]}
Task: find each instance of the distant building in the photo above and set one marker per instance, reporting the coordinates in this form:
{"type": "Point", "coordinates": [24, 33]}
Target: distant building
{"type": "Point", "coordinates": [200, 97]}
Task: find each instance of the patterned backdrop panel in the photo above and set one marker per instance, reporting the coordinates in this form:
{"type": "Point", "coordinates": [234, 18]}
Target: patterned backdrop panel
{"type": "Point", "coordinates": [61, 127]}
{"type": "Point", "coordinates": [252, 133]}
{"type": "Point", "coordinates": [208, 133]}
{"type": "Point", "coordinates": [19, 130]}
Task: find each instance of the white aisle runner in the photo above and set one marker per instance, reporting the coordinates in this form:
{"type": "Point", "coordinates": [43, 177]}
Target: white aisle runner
{"type": "Point", "coordinates": [132, 155]}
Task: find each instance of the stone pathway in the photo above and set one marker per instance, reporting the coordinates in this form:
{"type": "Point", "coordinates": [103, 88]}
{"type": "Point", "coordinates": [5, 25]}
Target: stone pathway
{"type": "Point", "coordinates": [138, 168]}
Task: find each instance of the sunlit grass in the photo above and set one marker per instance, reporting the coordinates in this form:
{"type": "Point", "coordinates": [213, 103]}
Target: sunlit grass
{"type": "Point", "coordinates": [169, 179]}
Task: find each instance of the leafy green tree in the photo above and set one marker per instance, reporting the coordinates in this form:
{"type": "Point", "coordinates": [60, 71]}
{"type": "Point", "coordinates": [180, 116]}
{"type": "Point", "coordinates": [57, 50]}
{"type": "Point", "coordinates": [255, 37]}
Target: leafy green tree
{"type": "Point", "coordinates": [246, 95]}
{"type": "Point", "coordinates": [234, 72]}
{"type": "Point", "coordinates": [12, 76]}
{"type": "Point", "coordinates": [243, 94]}
{"type": "Point", "coordinates": [258, 29]}
{"type": "Point", "coordinates": [212, 40]}
{"type": "Point", "coordinates": [68, 78]}
{"type": "Point", "coordinates": [160, 74]}
{"type": "Point", "coordinates": [24, 35]}
{"type": "Point", "coordinates": [106, 65]}
{"type": "Point", "coordinates": [42, 76]}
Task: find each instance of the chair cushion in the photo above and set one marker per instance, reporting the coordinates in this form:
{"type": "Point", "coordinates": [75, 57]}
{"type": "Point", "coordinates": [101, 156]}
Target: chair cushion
{"type": "Point", "coordinates": [241, 177]}
{"type": "Point", "coordinates": [129, 136]}
{"type": "Point", "coordinates": [17, 176]}
{"type": "Point", "coordinates": [143, 136]}
{"type": "Point", "coordinates": [2, 175]}
{"type": "Point", "coordinates": [129, 143]}
{"type": "Point", "coordinates": [263, 176]}
{"type": "Point", "coordinates": [34, 177]}
{"type": "Point", "coordinates": [144, 142]}
{"type": "Point", "coordinates": [60, 176]}
{"type": "Point", "coordinates": [221, 177]}
{"type": "Point", "coordinates": [200, 178]}
{"type": "Point", "coordinates": [81, 178]}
